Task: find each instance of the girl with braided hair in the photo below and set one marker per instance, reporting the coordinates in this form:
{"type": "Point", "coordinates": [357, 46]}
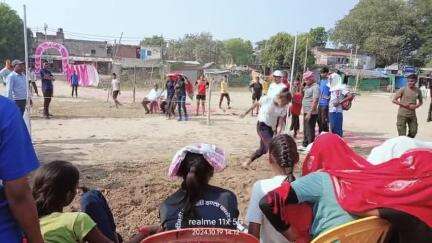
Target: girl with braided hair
{"type": "Point", "coordinates": [283, 156]}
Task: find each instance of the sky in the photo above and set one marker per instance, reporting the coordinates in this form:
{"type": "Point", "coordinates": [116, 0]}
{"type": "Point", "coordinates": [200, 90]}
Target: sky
{"type": "Point", "coordinates": [254, 20]}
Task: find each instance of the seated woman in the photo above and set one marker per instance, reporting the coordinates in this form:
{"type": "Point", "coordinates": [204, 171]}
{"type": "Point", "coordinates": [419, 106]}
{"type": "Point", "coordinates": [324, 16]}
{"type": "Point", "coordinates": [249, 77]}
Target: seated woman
{"type": "Point", "coordinates": [196, 203]}
{"type": "Point", "coordinates": [54, 187]}
{"type": "Point", "coordinates": [283, 156]}
{"type": "Point", "coordinates": [349, 185]}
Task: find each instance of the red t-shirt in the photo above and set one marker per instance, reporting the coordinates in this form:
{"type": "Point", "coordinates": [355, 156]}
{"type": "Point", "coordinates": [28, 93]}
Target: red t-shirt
{"type": "Point", "coordinates": [202, 86]}
{"type": "Point", "coordinates": [296, 103]}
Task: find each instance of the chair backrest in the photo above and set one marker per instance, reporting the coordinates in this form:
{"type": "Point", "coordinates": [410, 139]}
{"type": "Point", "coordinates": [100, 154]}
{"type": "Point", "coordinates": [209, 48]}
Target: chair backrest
{"type": "Point", "coordinates": [367, 230]}
{"type": "Point", "coordinates": [201, 235]}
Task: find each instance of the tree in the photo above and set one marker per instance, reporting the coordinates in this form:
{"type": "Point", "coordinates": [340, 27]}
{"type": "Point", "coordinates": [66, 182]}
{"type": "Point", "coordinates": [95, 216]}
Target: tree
{"type": "Point", "coordinates": [155, 40]}
{"type": "Point", "coordinates": [385, 28]}
{"type": "Point", "coordinates": [318, 37]}
{"type": "Point", "coordinates": [279, 50]}
{"type": "Point", "coordinates": [240, 51]}
{"type": "Point", "coordinates": [422, 11]}
{"type": "Point", "coordinates": [11, 34]}
{"type": "Point", "coordinates": [198, 47]}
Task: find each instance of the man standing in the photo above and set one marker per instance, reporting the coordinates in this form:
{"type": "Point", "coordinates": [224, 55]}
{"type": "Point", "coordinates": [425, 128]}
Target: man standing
{"type": "Point", "coordinates": [224, 92]}
{"type": "Point", "coordinates": [310, 108]}
{"type": "Point", "coordinates": [406, 98]}
{"type": "Point", "coordinates": [17, 159]}
{"type": "Point", "coordinates": [74, 84]}
{"type": "Point", "coordinates": [47, 88]}
{"type": "Point", "coordinates": [16, 85]}
{"type": "Point", "coordinates": [339, 94]}
{"type": "Point", "coordinates": [323, 106]}
{"type": "Point", "coordinates": [276, 86]}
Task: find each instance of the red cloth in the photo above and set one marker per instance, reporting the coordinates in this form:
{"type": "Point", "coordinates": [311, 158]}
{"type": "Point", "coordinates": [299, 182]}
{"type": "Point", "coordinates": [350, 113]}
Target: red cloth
{"type": "Point", "coordinates": [403, 183]}
{"type": "Point", "coordinates": [298, 216]}
{"type": "Point", "coordinates": [296, 103]}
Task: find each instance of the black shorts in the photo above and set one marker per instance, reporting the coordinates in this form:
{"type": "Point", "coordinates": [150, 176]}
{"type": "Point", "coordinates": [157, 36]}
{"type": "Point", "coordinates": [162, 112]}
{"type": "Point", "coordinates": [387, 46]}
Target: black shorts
{"type": "Point", "coordinates": [256, 97]}
{"type": "Point", "coordinates": [115, 94]}
{"type": "Point", "coordinates": [201, 97]}
{"type": "Point", "coordinates": [48, 93]}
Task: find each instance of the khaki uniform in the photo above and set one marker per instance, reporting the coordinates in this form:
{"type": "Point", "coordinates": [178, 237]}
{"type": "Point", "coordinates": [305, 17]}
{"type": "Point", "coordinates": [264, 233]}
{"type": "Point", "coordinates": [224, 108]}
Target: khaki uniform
{"type": "Point", "coordinates": [407, 117]}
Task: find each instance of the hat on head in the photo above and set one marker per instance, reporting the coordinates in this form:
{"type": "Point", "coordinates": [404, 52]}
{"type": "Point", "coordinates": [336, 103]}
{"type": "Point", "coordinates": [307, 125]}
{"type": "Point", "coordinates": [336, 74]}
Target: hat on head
{"type": "Point", "coordinates": [278, 73]}
{"type": "Point", "coordinates": [214, 156]}
{"type": "Point", "coordinates": [308, 75]}
{"type": "Point", "coordinates": [16, 62]}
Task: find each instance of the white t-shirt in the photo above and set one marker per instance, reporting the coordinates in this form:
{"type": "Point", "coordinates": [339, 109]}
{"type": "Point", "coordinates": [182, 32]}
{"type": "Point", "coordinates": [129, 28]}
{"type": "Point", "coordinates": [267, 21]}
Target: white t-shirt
{"type": "Point", "coordinates": [268, 234]}
{"type": "Point", "coordinates": [275, 89]}
{"type": "Point", "coordinates": [154, 95]}
{"type": "Point", "coordinates": [337, 94]}
{"type": "Point", "coordinates": [269, 112]}
{"type": "Point", "coordinates": [115, 83]}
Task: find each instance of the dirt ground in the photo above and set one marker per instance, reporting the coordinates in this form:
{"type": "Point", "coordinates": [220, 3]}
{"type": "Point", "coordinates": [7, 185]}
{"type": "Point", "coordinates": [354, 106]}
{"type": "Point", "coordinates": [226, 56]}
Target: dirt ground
{"type": "Point", "coordinates": [127, 153]}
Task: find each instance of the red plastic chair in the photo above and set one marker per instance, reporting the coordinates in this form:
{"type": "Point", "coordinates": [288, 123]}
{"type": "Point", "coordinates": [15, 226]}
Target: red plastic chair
{"type": "Point", "coordinates": [201, 235]}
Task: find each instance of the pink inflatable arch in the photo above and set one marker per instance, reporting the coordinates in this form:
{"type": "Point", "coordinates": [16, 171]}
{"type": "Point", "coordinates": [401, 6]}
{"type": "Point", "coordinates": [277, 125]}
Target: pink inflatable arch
{"type": "Point", "coordinates": [87, 73]}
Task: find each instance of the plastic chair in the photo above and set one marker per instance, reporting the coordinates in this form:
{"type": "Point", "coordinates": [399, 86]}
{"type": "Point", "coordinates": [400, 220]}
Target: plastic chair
{"type": "Point", "coordinates": [201, 235]}
{"type": "Point", "coordinates": [367, 230]}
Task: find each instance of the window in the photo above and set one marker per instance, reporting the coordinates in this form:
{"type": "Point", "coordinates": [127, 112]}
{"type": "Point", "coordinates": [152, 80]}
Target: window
{"type": "Point", "coordinates": [149, 53]}
{"type": "Point", "coordinates": [93, 52]}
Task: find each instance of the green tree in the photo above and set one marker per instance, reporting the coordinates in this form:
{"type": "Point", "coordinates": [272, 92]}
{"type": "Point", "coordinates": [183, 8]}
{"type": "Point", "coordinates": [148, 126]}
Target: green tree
{"type": "Point", "coordinates": [422, 11]}
{"type": "Point", "coordinates": [156, 40]}
{"type": "Point", "coordinates": [318, 37]}
{"type": "Point", "coordinates": [11, 34]}
{"type": "Point", "coordinates": [385, 28]}
{"type": "Point", "coordinates": [198, 47]}
{"type": "Point", "coordinates": [279, 50]}
{"type": "Point", "coordinates": [240, 51]}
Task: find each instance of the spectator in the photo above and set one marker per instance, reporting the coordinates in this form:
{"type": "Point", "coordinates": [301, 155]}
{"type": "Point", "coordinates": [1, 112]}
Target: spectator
{"type": "Point", "coordinates": [323, 106]}
{"type": "Point", "coordinates": [16, 85]}
{"type": "Point", "coordinates": [282, 159]}
{"type": "Point", "coordinates": [339, 94]}
{"type": "Point", "coordinates": [277, 86]}
{"type": "Point", "coordinates": [296, 108]}
{"type": "Point", "coordinates": [180, 94]}
{"type": "Point", "coordinates": [310, 108]}
{"type": "Point", "coordinates": [17, 159]}
{"type": "Point", "coordinates": [54, 187]}
{"type": "Point", "coordinates": [170, 88]}
{"type": "Point", "coordinates": [32, 80]}
{"type": "Point", "coordinates": [153, 96]}
{"type": "Point", "coordinates": [115, 86]}
{"type": "Point", "coordinates": [408, 99]}
{"type": "Point", "coordinates": [6, 71]}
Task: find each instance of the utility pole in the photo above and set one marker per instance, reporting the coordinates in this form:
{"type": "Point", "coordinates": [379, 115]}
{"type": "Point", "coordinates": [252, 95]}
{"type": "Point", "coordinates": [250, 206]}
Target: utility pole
{"type": "Point", "coordinates": [45, 30]}
{"type": "Point", "coordinates": [28, 108]}
{"type": "Point", "coordinates": [306, 55]}
{"type": "Point", "coordinates": [356, 66]}
{"type": "Point", "coordinates": [293, 60]}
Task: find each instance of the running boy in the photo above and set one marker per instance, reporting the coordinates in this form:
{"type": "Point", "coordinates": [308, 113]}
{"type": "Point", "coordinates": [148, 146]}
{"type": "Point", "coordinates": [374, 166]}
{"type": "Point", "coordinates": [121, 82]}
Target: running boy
{"type": "Point", "coordinates": [271, 119]}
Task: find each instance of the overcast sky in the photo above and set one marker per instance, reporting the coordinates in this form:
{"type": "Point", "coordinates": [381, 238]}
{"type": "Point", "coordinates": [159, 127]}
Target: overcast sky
{"type": "Point", "coordinates": [251, 19]}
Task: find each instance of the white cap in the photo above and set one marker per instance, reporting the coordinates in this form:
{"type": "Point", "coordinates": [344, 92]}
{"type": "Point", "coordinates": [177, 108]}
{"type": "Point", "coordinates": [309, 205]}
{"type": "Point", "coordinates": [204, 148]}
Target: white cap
{"type": "Point", "coordinates": [278, 73]}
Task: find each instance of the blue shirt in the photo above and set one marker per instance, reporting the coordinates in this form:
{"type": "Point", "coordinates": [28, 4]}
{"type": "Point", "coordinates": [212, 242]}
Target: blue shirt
{"type": "Point", "coordinates": [47, 84]}
{"type": "Point", "coordinates": [317, 188]}
{"type": "Point", "coordinates": [324, 93]}
{"type": "Point", "coordinates": [74, 80]}
{"type": "Point", "coordinates": [17, 159]}
{"type": "Point", "coordinates": [16, 86]}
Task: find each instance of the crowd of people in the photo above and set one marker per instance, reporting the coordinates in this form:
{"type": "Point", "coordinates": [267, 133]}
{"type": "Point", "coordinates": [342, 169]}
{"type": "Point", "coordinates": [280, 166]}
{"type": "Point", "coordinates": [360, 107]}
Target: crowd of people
{"type": "Point", "coordinates": [336, 185]}
{"type": "Point", "coordinates": [281, 209]}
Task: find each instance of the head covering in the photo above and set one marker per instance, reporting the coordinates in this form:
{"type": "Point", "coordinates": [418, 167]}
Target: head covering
{"type": "Point", "coordinates": [278, 73]}
{"type": "Point", "coordinates": [214, 156]}
{"type": "Point", "coordinates": [308, 75]}
{"type": "Point", "coordinates": [16, 62]}
{"type": "Point", "coordinates": [335, 81]}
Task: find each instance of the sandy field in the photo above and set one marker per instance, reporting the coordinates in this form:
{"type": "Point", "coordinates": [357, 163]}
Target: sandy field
{"type": "Point", "coordinates": [127, 153]}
